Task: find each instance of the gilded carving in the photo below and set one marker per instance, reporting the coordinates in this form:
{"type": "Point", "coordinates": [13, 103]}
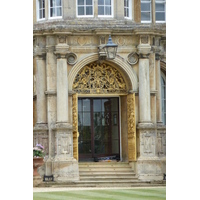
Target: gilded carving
{"type": "Point", "coordinates": [75, 125]}
{"type": "Point", "coordinates": [131, 127]}
{"type": "Point", "coordinates": [96, 79]}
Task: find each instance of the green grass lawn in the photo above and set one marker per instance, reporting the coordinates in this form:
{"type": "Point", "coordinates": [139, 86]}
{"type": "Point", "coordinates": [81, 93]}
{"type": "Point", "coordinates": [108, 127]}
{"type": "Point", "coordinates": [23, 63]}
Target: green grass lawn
{"type": "Point", "coordinates": [114, 194]}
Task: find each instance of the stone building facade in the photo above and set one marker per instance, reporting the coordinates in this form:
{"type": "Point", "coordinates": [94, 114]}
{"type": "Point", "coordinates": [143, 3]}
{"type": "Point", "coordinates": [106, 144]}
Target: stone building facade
{"type": "Point", "coordinates": [86, 106]}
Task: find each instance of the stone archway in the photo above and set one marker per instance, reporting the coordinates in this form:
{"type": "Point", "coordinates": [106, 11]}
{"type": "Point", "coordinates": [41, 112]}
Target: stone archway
{"type": "Point", "coordinates": [118, 62]}
{"type": "Point", "coordinates": [105, 78]}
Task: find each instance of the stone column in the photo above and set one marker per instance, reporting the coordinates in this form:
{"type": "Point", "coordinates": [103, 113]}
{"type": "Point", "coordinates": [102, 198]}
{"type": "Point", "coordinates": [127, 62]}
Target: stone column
{"type": "Point", "coordinates": [65, 167]}
{"type": "Point", "coordinates": [148, 164]}
{"type": "Point", "coordinates": [41, 87]}
{"type": "Point", "coordinates": [144, 81]}
{"type": "Point", "coordinates": [40, 130]}
{"type": "Point", "coordinates": [158, 87]}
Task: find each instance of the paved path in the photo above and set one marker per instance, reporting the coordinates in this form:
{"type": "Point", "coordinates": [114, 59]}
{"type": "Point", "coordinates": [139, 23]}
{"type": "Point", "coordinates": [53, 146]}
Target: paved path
{"type": "Point", "coordinates": [51, 189]}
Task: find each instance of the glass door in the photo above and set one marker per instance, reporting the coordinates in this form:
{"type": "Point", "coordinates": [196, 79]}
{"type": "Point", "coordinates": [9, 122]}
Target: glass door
{"type": "Point", "coordinates": [98, 123]}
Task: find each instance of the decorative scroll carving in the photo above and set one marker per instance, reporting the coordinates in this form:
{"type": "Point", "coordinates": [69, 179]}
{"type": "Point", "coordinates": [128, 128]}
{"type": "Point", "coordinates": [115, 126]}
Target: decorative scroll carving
{"type": "Point", "coordinates": [147, 143]}
{"type": "Point", "coordinates": [75, 125]}
{"type": "Point", "coordinates": [131, 127]}
{"type": "Point", "coordinates": [96, 79]}
{"type": "Point", "coordinates": [161, 138]}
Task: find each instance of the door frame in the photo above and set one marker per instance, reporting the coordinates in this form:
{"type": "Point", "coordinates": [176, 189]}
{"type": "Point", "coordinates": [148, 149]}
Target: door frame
{"type": "Point", "coordinates": [119, 114]}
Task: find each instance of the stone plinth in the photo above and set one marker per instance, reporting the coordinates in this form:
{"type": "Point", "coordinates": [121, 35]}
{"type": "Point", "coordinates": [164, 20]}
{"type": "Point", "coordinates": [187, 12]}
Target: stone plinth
{"type": "Point", "coordinates": [149, 165]}
{"type": "Point", "coordinates": [65, 171]}
{"type": "Point", "coordinates": [150, 169]}
{"type": "Point", "coordinates": [64, 166]}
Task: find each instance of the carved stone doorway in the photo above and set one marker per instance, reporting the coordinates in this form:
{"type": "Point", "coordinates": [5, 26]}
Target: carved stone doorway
{"type": "Point", "coordinates": [100, 82]}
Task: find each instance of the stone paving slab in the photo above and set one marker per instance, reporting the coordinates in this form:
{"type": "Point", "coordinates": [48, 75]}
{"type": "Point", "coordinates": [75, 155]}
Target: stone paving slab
{"type": "Point", "coordinates": [49, 189]}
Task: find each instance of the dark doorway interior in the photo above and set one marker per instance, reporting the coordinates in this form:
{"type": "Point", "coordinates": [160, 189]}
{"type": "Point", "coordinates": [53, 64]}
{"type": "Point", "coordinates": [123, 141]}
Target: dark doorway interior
{"type": "Point", "coordinates": [98, 126]}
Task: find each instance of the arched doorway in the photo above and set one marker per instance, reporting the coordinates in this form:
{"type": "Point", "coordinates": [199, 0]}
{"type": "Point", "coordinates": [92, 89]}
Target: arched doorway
{"type": "Point", "coordinates": [98, 89]}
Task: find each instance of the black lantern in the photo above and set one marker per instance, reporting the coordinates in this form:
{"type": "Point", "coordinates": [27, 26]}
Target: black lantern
{"type": "Point", "coordinates": [110, 49]}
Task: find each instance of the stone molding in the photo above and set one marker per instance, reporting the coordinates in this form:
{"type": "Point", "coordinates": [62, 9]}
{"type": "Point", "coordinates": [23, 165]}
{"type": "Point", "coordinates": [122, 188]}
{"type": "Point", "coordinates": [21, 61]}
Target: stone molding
{"type": "Point", "coordinates": [39, 52]}
{"type": "Point", "coordinates": [61, 126]}
{"type": "Point", "coordinates": [40, 127]}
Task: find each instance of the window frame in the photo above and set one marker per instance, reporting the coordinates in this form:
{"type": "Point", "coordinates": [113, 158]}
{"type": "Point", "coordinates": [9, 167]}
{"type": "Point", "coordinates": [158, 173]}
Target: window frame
{"type": "Point", "coordinates": [38, 10]}
{"type": "Point", "coordinates": [84, 9]}
{"type": "Point", "coordinates": [130, 9]}
{"type": "Point", "coordinates": [163, 105]}
{"type": "Point", "coordinates": [150, 2]}
{"type": "Point", "coordinates": [160, 2]}
{"type": "Point", "coordinates": [49, 10]}
{"type": "Point", "coordinates": [112, 9]}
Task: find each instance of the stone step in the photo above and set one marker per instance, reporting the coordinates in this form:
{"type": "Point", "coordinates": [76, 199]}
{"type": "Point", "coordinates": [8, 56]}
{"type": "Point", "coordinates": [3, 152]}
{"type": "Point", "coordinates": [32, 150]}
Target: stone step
{"type": "Point", "coordinates": [105, 178]}
{"type": "Point", "coordinates": [106, 173]}
{"type": "Point", "coordinates": [103, 184]}
{"type": "Point", "coordinates": [105, 170]}
{"type": "Point", "coordinates": [104, 165]}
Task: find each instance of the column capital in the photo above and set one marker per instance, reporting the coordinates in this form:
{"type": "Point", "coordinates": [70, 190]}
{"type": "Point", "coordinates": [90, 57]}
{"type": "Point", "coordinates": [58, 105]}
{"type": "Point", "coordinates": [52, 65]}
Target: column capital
{"type": "Point", "coordinates": [61, 50]}
{"type": "Point", "coordinates": [39, 53]}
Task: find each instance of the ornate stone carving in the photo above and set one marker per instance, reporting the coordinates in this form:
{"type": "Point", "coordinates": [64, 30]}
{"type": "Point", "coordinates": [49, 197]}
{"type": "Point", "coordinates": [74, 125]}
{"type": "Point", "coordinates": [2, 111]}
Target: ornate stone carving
{"type": "Point", "coordinates": [84, 40]}
{"type": "Point", "coordinates": [63, 145]}
{"type": "Point", "coordinates": [147, 143]}
{"type": "Point", "coordinates": [71, 58]}
{"type": "Point", "coordinates": [97, 79]}
{"type": "Point", "coordinates": [131, 127]}
{"type": "Point", "coordinates": [144, 39]}
{"type": "Point", "coordinates": [132, 58]}
{"type": "Point", "coordinates": [75, 125]}
{"type": "Point", "coordinates": [161, 143]}
{"type": "Point", "coordinates": [62, 39]}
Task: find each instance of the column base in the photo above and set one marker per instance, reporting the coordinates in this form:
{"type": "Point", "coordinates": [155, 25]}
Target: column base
{"type": "Point", "coordinates": [65, 171]}
{"type": "Point", "coordinates": [151, 169]}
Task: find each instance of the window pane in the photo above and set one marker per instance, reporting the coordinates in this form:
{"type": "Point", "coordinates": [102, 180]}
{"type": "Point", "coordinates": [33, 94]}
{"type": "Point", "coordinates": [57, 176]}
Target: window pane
{"type": "Point", "coordinates": [145, 6]}
{"type": "Point", "coordinates": [52, 12]}
{"type": "Point", "coordinates": [125, 3]}
{"type": "Point", "coordinates": [80, 10]}
{"type": "Point", "coordinates": [59, 12]}
{"type": "Point", "coordinates": [160, 16]}
{"type": "Point", "coordinates": [88, 10]}
{"type": "Point", "coordinates": [100, 2]}
{"type": "Point", "coordinates": [86, 119]}
{"type": "Point", "coordinates": [107, 10]}
{"type": "Point", "coordinates": [43, 4]}
{"type": "Point", "coordinates": [80, 2]}
{"type": "Point", "coordinates": [160, 7]}
{"type": "Point", "coordinates": [40, 14]}
{"type": "Point", "coordinates": [100, 10]}
{"type": "Point", "coordinates": [43, 13]}
{"type": "Point", "coordinates": [58, 2]}
{"type": "Point", "coordinates": [52, 3]}
{"type": "Point", "coordinates": [108, 2]}
{"type": "Point", "coordinates": [97, 105]}
{"type": "Point", "coordinates": [145, 16]}
{"type": "Point", "coordinates": [86, 105]}
{"type": "Point", "coordinates": [125, 13]}
{"type": "Point", "coordinates": [88, 2]}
